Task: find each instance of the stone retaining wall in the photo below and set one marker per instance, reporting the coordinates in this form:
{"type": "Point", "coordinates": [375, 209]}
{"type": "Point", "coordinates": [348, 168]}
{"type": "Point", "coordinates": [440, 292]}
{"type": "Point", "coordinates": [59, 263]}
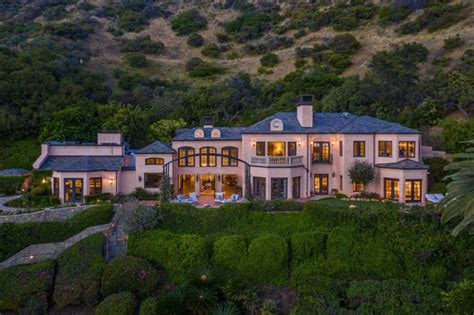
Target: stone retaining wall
{"type": "Point", "coordinates": [60, 214]}
{"type": "Point", "coordinates": [39, 252]}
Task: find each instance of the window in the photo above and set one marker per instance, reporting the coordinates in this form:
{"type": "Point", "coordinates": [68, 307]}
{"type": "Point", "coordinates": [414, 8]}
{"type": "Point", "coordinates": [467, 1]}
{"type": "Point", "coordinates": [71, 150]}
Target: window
{"type": "Point", "coordinates": [259, 184]}
{"type": "Point", "coordinates": [56, 186]}
{"type": "Point", "coordinates": [185, 158]}
{"type": "Point", "coordinates": [95, 186]}
{"type": "Point", "coordinates": [340, 183]}
{"type": "Point", "coordinates": [296, 187]}
{"type": "Point", "coordinates": [406, 149]}
{"type": "Point", "coordinates": [413, 190]}
{"type": "Point", "coordinates": [276, 148]}
{"type": "Point", "coordinates": [279, 188]}
{"type": "Point", "coordinates": [291, 148]}
{"type": "Point", "coordinates": [357, 187]}
{"type": "Point", "coordinates": [260, 148]}
{"type": "Point", "coordinates": [385, 148]}
{"type": "Point", "coordinates": [154, 161]}
{"type": "Point", "coordinates": [321, 183]}
{"type": "Point", "coordinates": [341, 148]}
{"type": "Point", "coordinates": [321, 152]}
{"type": "Point", "coordinates": [152, 180]}
{"type": "Point", "coordinates": [391, 189]}
{"type": "Point", "coordinates": [230, 156]}
{"type": "Point", "coordinates": [359, 149]}
{"type": "Point", "coordinates": [208, 156]}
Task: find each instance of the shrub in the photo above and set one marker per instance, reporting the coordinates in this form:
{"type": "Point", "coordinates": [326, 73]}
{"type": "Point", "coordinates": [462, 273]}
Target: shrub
{"type": "Point", "coordinates": [230, 252]}
{"type": "Point", "coordinates": [345, 44]}
{"type": "Point", "coordinates": [55, 13]}
{"type": "Point", "coordinates": [222, 38]}
{"type": "Point", "coordinates": [143, 194]}
{"type": "Point", "coordinates": [26, 287]}
{"type": "Point", "coordinates": [98, 199]}
{"type": "Point", "coordinates": [434, 18]}
{"type": "Point", "coordinates": [437, 188]}
{"type": "Point", "coordinates": [149, 306]}
{"type": "Point", "coordinates": [307, 246]}
{"type": "Point", "coordinates": [268, 260]}
{"type": "Point", "coordinates": [195, 40]}
{"type": "Point", "coordinates": [142, 44]}
{"type": "Point", "coordinates": [252, 25]}
{"type": "Point", "coordinates": [309, 277]}
{"type": "Point", "coordinates": [341, 253]}
{"type": "Point", "coordinates": [172, 303]}
{"type": "Point", "coordinates": [460, 300]}
{"type": "Point", "coordinates": [136, 60]}
{"type": "Point", "coordinates": [129, 273]}
{"type": "Point", "coordinates": [18, 153]}
{"type": "Point", "coordinates": [452, 43]}
{"type": "Point", "coordinates": [300, 63]}
{"type": "Point", "coordinates": [10, 185]}
{"type": "Point", "coordinates": [18, 236]}
{"type": "Point", "coordinates": [131, 21]}
{"type": "Point", "coordinates": [269, 60]}
{"type": "Point", "coordinates": [300, 33]}
{"type": "Point", "coordinates": [392, 14]}
{"type": "Point", "coordinates": [211, 51]}
{"type": "Point", "coordinates": [373, 258]}
{"type": "Point", "coordinates": [188, 22]}
{"type": "Point", "coordinates": [200, 300]}
{"type": "Point", "coordinates": [79, 269]}
{"type": "Point", "coordinates": [123, 303]}
{"type": "Point", "coordinates": [197, 68]}
{"type": "Point", "coordinates": [69, 30]}
{"type": "Point", "coordinates": [135, 217]}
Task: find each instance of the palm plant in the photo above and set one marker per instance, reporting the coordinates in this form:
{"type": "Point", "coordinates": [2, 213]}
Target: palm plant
{"type": "Point", "coordinates": [459, 201]}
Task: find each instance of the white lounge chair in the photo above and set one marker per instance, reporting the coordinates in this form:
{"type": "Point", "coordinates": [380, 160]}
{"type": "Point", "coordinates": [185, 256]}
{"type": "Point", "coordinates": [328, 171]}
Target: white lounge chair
{"type": "Point", "coordinates": [232, 199]}
{"type": "Point", "coordinates": [219, 197]}
{"type": "Point", "coordinates": [182, 199]}
{"type": "Point", "coordinates": [434, 198]}
{"type": "Point", "coordinates": [193, 197]}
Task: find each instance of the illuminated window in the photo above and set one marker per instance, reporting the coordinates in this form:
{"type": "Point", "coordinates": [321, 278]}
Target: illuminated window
{"type": "Point", "coordinates": [321, 184]}
{"type": "Point", "coordinates": [184, 154]}
{"type": "Point", "coordinates": [230, 155]}
{"type": "Point", "coordinates": [260, 149]}
{"type": "Point", "coordinates": [208, 156]}
{"type": "Point", "coordinates": [153, 180]}
{"type": "Point", "coordinates": [385, 148]}
{"type": "Point", "coordinates": [359, 148]}
{"type": "Point", "coordinates": [276, 148]}
{"type": "Point", "coordinates": [95, 186]}
{"type": "Point", "coordinates": [413, 190]}
{"type": "Point", "coordinates": [154, 161]}
{"type": "Point", "coordinates": [406, 149]}
{"type": "Point", "coordinates": [391, 189]}
{"type": "Point", "coordinates": [357, 186]}
{"type": "Point", "coordinates": [321, 152]}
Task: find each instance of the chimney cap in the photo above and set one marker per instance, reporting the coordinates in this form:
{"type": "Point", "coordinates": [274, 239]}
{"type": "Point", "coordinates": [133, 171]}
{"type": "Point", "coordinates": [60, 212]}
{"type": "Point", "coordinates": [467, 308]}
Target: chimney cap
{"type": "Point", "coordinates": [305, 99]}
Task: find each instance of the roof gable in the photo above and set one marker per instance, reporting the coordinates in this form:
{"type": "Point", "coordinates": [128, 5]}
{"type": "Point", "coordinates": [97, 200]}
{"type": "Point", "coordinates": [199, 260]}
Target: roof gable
{"type": "Point", "coordinates": [155, 148]}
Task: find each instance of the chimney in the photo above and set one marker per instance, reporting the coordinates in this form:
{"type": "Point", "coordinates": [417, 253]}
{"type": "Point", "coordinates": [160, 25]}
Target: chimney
{"type": "Point", "coordinates": [208, 121]}
{"type": "Point", "coordinates": [109, 137]}
{"type": "Point", "coordinates": [304, 110]}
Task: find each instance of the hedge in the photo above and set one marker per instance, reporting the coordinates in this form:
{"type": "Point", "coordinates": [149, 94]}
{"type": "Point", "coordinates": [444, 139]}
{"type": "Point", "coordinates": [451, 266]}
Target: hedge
{"type": "Point", "coordinates": [149, 306]}
{"type": "Point", "coordinates": [267, 261]}
{"type": "Point", "coordinates": [10, 185]}
{"type": "Point", "coordinates": [79, 269]}
{"type": "Point", "coordinates": [128, 273]}
{"type": "Point", "coordinates": [340, 252]}
{"type": "Point", "coordinates": [15, 237]}
{"type": "Point", "coordinates": [123, 303]}
{"type": "Point", "coordinates": [307, 246]}
{"type": "Point", "coordinates": [230, 252]}
{"type": "Point", "coordinates": [26, 288]}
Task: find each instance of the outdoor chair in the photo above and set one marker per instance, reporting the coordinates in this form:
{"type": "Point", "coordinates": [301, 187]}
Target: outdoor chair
{"type": "Point", "coordinates": [219, 197]}
{"type": "Point", "coordinates": [193, 197]}
{"type": "Point", "coordinates": [232, 199]}
{"type": "Point", "coordinates": [182, 199]}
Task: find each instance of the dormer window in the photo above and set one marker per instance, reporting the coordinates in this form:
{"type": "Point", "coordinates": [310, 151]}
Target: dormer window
{"type": "Point", "coordinates": [215, 133]}
{"type": "Point", "coordinates": [276, 125]}
{"type": "Point", "coordinates": [199, 133]}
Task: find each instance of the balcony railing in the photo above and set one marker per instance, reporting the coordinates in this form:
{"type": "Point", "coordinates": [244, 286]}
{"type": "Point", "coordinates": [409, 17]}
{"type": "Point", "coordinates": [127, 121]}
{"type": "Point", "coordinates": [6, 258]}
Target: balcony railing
{"type": "Point", "coordinates": [277, 160]}
{"type": "Point", "coordinates": [320, 160]}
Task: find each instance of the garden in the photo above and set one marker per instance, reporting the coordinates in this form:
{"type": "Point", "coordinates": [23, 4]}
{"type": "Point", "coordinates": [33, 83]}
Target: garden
{"type": "Point", "coordinates": [328, 256]}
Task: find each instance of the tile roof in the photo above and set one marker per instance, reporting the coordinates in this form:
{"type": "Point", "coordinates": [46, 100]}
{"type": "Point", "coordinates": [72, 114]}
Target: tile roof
{"type": "Point", "coordinates": [330, 123]}
{"type": "Point", "coordinates": [14, 172]}
{"type": "Point", "coordinates": [83, 163]}
{"type": "Point", "coordinates": [405, 164]}
{"type": "Point", "coordinates": [227, 133]}
{"type": "Point", "coordinates": [156, 147]}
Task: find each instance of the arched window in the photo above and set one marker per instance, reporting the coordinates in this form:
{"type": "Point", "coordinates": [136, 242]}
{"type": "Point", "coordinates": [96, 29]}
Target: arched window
{"type": "Point", "coordinates": [208, 156]}
{"type": "Point", "coordinates": [230, 155]}
{"type": "Point", "coordinates": [186, 152]}
{"type": "Point", "coordinates": [154, 161]}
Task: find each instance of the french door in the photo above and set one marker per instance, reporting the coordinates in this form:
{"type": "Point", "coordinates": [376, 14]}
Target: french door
{"type": "Point", "coordinates": [296, 187]}
{"type": "Point", "coordinates": [73, 190]}
{"type": "Point", "coordinates": [279, 188]}
{"type": "Point", "coordinates": [391, 189]}
{"type": "Point", "coordinates": [321, 184]}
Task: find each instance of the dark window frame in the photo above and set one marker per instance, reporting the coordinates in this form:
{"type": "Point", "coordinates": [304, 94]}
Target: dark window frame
{"type": "Point", "coordinates": [227, 159]}
{"type": "Point", "coordinates": [392, 185]}
{"type": "Point", "coordinates": [206, 152]}
{"type": "Point", "coordinates": [96, 187]}
{"type": "Point", "coordinates": [292, 148]}
{"type": "Point", "coordinates": [320, 156]}
{"type": "Point", "coordinates": [154, 161]}
{"type": "Point", "coordinates": [341, 148]}
{"type": "Point", "coordinates": [407, 155]}
{"type": "Point", "coordinates": [186, 160]}
{"type": "Point", "coordinates": [322, 191]}
{"type": "Point", "coordinates": [385, 148]}
{"type": "Point", "coordinates": [358, 148]}
{"type": "Point", "coordinates": [281, 187]}
{"type": "Point", "coordinates": [258, 148]}
{"type": "Point", "coordinates": [412, 193]}
{"type": "Point", "coordinates": [146, 180]}
{"type": "Point", "coordinates": [357, 187]}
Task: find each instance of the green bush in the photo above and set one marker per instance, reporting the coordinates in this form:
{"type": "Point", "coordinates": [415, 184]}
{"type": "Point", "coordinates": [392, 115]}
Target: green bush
{"type": "Point", "coordinates": [15, 237]}
{"type": "Point", "coordinates": [26, 287]}
{"type": "Point", "coordinates": [98, 199]}
{"type": "Point", "coordinates": [460, 300]}
{"type": "Point", "coordinates": [341, 252]}
{"type": "Point", "coordinates": [136, 60]}
{"type": "Point", "coordinates": [269, 60]}
{"type": "Point", "coordinates": [309, 277]}
{"type": "Point", "coordinates": [10, 185]}
{"type": "Point", "coordinates": [374, 258]}
{"type": "Point", "coordinates": [197, 68]}
{"type": "Point", "coordinates": [79, 269]}
{"type": "Point", "coordinates": [131, 21]}
{"type": "Point", "coordinates": [307, 246]}
{"type": "Point", "coordinates": [123, 303]}
{"type": "Point", "coordinates": [230, 252]}
{"type": "Point", "coordinates": [195, 40]}
{"type": "Point", "coordinates": [28, 200]}
{"type": "Point", "coordinates": [452, 43]}
{"type": "Point", "coordinates": [129, 273]}
{"type": "Point", "coordinates": [267, 261]}
{"type": "Point", "coordinates": [41, 178]}
{"type": "Point", "coordinates": [19, 153]}
{"type": "Point", "coordinates": [149, 306]}
{"type": "Point", "coordinates": [252, 25]}
{"type": "Point", "coordinates": [437, 188]}
{"type": "Point", "coordinates": [142, 44]}
{"type": "Point", "coordinates": [211, 51]}
{"type": "Point", "coordinates": [392, 14]}
{"type": "Point", "coordinates": [188, 22]}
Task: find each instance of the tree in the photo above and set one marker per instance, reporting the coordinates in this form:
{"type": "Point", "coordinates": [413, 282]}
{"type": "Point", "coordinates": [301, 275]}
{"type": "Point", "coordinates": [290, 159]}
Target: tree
{"type": "Point", "coordinates": [164, 129]}
{"type": "Point", "coordinates": [166, 191]}
{"type": "Point", "coordinates": [269, 60]}
{"type": "Point", "coordinates": [136, 60]}
{"type": "Point", "coordinates": [131, 121]}
{"type": "Point", "coordinates": [459, 200]}
{"type": "Point", "coordinates": [72, 123]}
{"type": "Point", "coordinates": [187, 22]}
{"type": "Point", "coordinates": [362, 172]}
{"type": "Point", "coordinates": [456, 133]}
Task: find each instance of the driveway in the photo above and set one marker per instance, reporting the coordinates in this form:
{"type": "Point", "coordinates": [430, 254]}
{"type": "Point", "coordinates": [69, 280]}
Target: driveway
{"type": "Point", "coordinates": [4, 200]}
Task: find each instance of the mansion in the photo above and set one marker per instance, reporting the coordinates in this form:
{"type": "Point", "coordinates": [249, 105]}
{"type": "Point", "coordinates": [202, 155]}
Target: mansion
{"type": "Point", "coordinates": [292, 155]}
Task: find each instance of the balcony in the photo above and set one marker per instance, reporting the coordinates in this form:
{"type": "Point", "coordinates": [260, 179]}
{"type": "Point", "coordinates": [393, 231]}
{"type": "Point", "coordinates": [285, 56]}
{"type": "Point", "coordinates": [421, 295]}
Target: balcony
{"type": "Point", "coordinates": [276, 160]}
{"type": "Point", "coordinates": [322, 160]}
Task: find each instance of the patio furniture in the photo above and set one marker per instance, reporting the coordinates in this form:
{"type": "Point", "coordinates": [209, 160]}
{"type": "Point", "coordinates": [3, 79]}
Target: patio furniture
{"type": "Point", "coordinates": [434, 198]}
{"type": "Point", "coordinates": [232, 199]}
{"type": "Point", "coordinates": [193, 197]}
{"type": "Point", "coordinates": [182, 199]}
{"type": "Point", "coordinates": [219, 197]}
